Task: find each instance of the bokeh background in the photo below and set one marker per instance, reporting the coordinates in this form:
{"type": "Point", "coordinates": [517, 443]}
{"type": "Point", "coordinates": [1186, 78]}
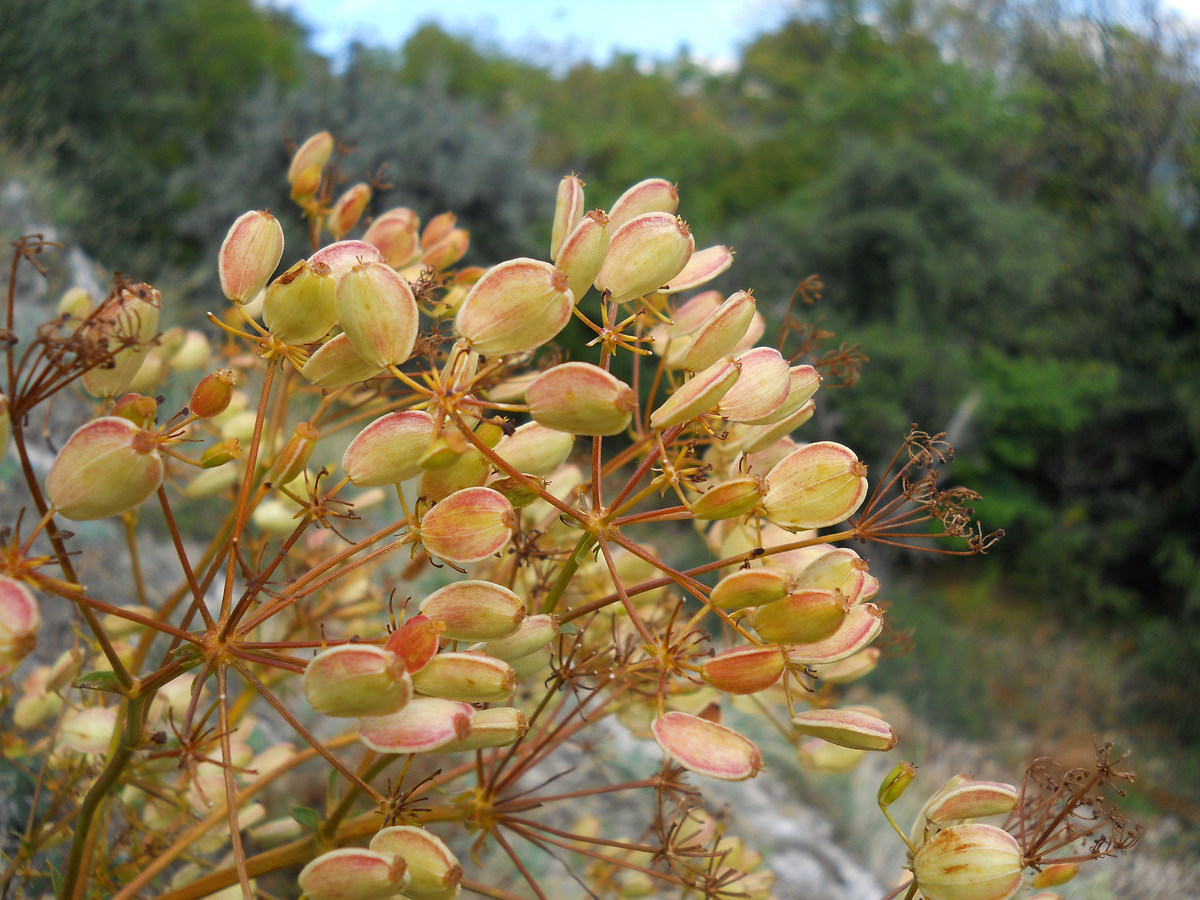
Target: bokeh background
{"type": "Point", "coordinates": [1001, 198]}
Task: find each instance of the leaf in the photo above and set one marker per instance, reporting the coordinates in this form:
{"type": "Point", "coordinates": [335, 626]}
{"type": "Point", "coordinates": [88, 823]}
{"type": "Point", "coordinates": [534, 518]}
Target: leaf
{"type": "Point", "coordinates": [99, 681]}
{"type": "Point", "coordinates": [308, 818]}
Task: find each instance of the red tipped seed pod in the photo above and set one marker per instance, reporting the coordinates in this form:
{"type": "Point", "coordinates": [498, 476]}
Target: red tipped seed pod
{"type": "Point", "coordinates": [212, 395]}
{"type": "Point", "coordinates": [703, 266]}
{"type": "Point", "coordinates": [416, 641]}
{"type": "Point", "coordinates": [397, 235]}
{"type": "Point", "coordinates": [568, 210]}
{"type": "Point", "coordinates": [348, 209]}
{"type": "Point", "coordinates": [761, 389]}
{"type": "Point", "coordinates": [353, 680]}
{"type": "Point", "coordinates": [749, 587]}
{"type": "Point", "coordinates": [697, 396]}
{"type": "Point", "coordinates": [744, 670]}
{"type": "Point", "coordinates": [107, 467]}
{"type": "Point", "coordinates": [498, 726]}
{"type": "Point", "coordinates": [720, 333]}
{"type": "Point", "coordinates": [583, 252]}
{"type": "Point", "coordinates": [518, 305]}
{"type": "Point", "coordinates": [705, 747]}
{"type": "Point", "coordinates": [352, 873]}
{"type": "Point", "coordinates": [249, 254]}
{"type": "Point", "coordinates": [425, 724]}
{"type": "Point", "coordinates": [969, 862]}
{"type": "Point", "coordinates": [314, 153]}
{"type": "Point", "coordinates": [644, 254]}
{"type": "Point", "coordinates": [818, 485]}
{"type": "Point", "coordinates": [651, 195]}
{"type": "Point", "coordinates": [475, 610]}
{"type": "Point", "coordinates": [856, 727]}
{"type": "Point", "coordinates": [378, 313]}
{"type": "Point", "coordinates": [295, 454]}
{"type": "Point", "coordinates": [468, 526]}
{"type": "Point", "coordinates": [433, 869]}
{"type": "Point", "coordinates": [802, 617]}
{"type": "Point", "coordinates": [580, 398]}
{"type": "Point", "coordinates": [337, 364]}
{"type": "Point", "coordinates": [534, 633]}
{"type": "Point", "coordinates": [862, 625]}
{"type": "Point", "coordinates": [473, 677]}
{"type": "Point", "coordinates": [20, 620]}
{"type": "Point", "coordinates": [389, 450]}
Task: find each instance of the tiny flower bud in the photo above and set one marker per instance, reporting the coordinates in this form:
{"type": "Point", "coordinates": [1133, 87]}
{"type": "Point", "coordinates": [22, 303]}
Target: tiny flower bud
{"type": "Point", "coordinates": [122, 333]}
{"type": "Point", "coordinates": [353, 680]}
{"type": "Point", "coordinates": [473, 677]}
{"type": "Point", "coordinates": [212, 395]}
{"type": "Point", "coordinates": [498, 726]}
{"type": "Point", "coordinates": [802, 617]}
{"type": "Point", "coordinates": [389, 450]}
{"type": "Point", "coordinates": [20, 620]}
{"type": "Point", "coordinates": [221, 453]}
{"type": "Point", "coordinates": [720, 333]}
{"type": "Point", "coordinates": [468, 526]}
{"type": "Point", "coordinates": [396, 233]}
{"type": "Point", "coordinates": [818, 485]}
{"type": "Point", "coordinates": [705, 747]}
{"type": "Point", "coordinates": [315, 151]}
{"type": "Point", "coordinates": [895, 783]}
{"type": "Point", "coordinates": [703, 266]}
{"type": "Point", "coordinates": [761, 389]}
{"type": "Point", "coordinates": [416, 641]}
{"type": "Point", "coordinates": [517, 305]}
{"type": "Point", "coordinates": [425, 724]}
{"type": "Point", "coordinates": [583, 252]}
{"type": "Point", "coordinates": [697, 396]}
{"type": "Point", "coordinates": [969, 862]}
{"type": "Point", "coordinates": [107, 467]}
{"type": "Point", "coordinates": [433, 869]}
{"type": "Point", "coordinates": [475, 610]}
{"type": "Point", "coordinates": [862, 625]}
{"type": "Point", "coordinates": [534, 449]}
{"type": "Point", "coordinates": [853, 727]}
{"type": "Point", "coordinates": [351, 873]}
{"type": "Point", "coordinates": [249, 254]}
{"type": "Point", "coordinates": [295, 454]}
{"type": "Point", "coordinates": [644, 254]}
{"type": "Point", "coordinates": [378, 313]}
{"type": "Point", "coordinates": [749, 587]}
{"type": "Point", "coordinates": [337, 364]}
{"type": "Point", "coordinates": [348, 209]}
{"type": "Point", "coordinates": [534, 633]}
{"type": "Point", "coordinates": [651, 195]}
{"type": "Point", "coordinates": [568, 210]}
{"type": "Point", "coordinates": [299, 305]}
{"type": "Point", "coordinates": [744, 670]}
{"type": "Point", "coordinates": [580, 398]}
{"type": "Point", "coordinates": [727, 500]}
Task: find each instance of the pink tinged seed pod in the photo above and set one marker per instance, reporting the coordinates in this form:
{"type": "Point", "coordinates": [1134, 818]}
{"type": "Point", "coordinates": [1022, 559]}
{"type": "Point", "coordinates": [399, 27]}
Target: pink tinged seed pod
{"type": "Point", "coordinates": [967, 798]}
{"type": "Point", "coordinates": [969, 862]}
{"type": "Point", "coordinates": [862, 625]}
{"type": "Point", "coordinates": [518, 305]}
{"type": "Point", "coordinates": [698, 395]}
{"type": "Point", "coordinates": [107, 467]}
{"type": "Point", "coordinates": [396, 234]}
{"type": "Point", "coordinates": [580, 398]}
{"type": "Point", "coordinates": [425, 724]}
{"type": "Point", "coordinates": [759, 437]}
{"type": "Point", "coordinates": [378, 312]}
{"type": "Point", "coordinates": [568, 210]}
{"type": "Point", "coordinates": [720, 332]}
{"type": "Point", "coordinates": [355, 680]}
{"type": "Point", "coordinates": [342, 256]}
{"type": "Point", "coordinates": [651, 195]}
{"type": "Point", "coordinates": [472, 677]}
{"type": "Point", "coordinates": [447, 251]}
{"type": "Point", "coordinates": [535, 449]}
{"type": "Point", "coordinates": [468, 469]}
{"type": "Point", "coordinates": [534, 633]}
{"type": "Point", "coordinates": [644, 254]}
{"type": "Point", "coordinates": [583, 252]}
{"type": "Point", "coordinates": [352, 873]}
{"type": "Point", "coordinates": [850, 669]}
{"type": "Point", "coordinates": [749, 587]}
{"type": "Point", "coordinates": [803, 382]}
{"type": "Point", "coordinates": [841, 570]}
{"type": "Point", "coordinates": [348, 209]}
{"type": "Point", "coordinates": [249, 254]}
{"type": "Point", "coordinates": [438, 228]}
{"type": "Point", "coordinates": [468, 526]}
{"type": "Point", "coordinates": [337, 364]}
{"type": "Point", "coordinates": [801, 617]}
{"type": "Point", "coordinates": [298, 306]}
{"type": "Point", "coordinates": [705, 747]}
{"type": "Point", "coordinates": [703, 266]}
{"type": "Point", "coordinates": [88, 730]}
{"type": "Point", "coordinates": [295, 454]}
{"type": "Point", "coordinates": [416, 641]}
{"type": "Point", "coordinates": [727, 500]}
{"type": "Point", "coordinates": [389, 450]}
{"type": "Point", "coordinates": [20, 620]}
{"type": "Point", "coordinates": [212, 395]}
{"type": "Point", "coordinates": [853, 727]}
{"type": "Point", "coordinates": [433, 869]}
{"type": "Point", "coordinates": [121, 333]}
{"type": "Point", "coordinates": [315, 151]}
{"type": "Point", "coordinates": [498, 726]}
{"type": "Point", "coordinates": [475, 610]}
{"type": "Point", "coordinates": [744, 670]}
{"type": "Point", "coordinates": [818, 485]}
{"type": "Point", "coordinates": [762, 388]}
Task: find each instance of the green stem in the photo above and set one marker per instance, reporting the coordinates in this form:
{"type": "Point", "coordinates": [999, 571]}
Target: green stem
{"type": "Point", "coordinates": [567, 572]}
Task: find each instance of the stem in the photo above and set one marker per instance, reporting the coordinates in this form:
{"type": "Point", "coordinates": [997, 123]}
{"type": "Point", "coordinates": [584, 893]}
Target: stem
{"type": "Point", "coordinates": [567, 572]}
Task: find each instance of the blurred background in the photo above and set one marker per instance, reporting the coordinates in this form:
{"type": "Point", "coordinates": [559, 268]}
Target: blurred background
{"type": "Point", "coordinates": [1001, 198]}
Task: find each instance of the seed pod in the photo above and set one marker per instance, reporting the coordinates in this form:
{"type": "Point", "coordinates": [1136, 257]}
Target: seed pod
{"type": "Point", "coordinates": [849, 669]}
{"type": "Point", "coordinates": [472, 677]}
{"type": "Point", "coordinates": [583, 252]}
{"type": "Point", "coordinates": [651, 195]}
{"type": "Point", "coordinates": [396, 234]}
{"type": "Point", "coordinates": [138, 409]}
{"type": "Point", "coordinates": [963, 797]}
{"type": "Point", "coordinates": [644, 254]}
{"type": "Point", "coordinates": [821, 756]}
{"type": "Point", "coordinates": [1055, 874]}
{"type": "Point", "coordinates": [193, 352]}
{"type": "Point", "coordinates": [862, 625]}
{"type": "Point", "coordinates": [315, 151]}
{"type": "Point", "coordinates": [895, 783]}
{"type": "Point", "coordinates": [353, 680]}
{"type": "Point", "coordinates": [348, 209]}
{"type": "Point", "coordinates": [437, 229]}
{"type": "Point", "coordinates": [468, 526]}
{"type": "Point", "coordinates": [720, 333]}
{"type": "Point", "coordinates": [249, 254]}
{"type": "Point", "coordinates": [580, 398]}
{"type": "Point", "coordinates": [88, 730]}
{"type": "Point", "coordinates": [337, 364]}
{"type": "Point", "coordinates": [294, 456]}
{"type": "Point", "coordinates": [744, 670]}
{"type": "Point", "coordinates": [220, 454]}
{"type": "Point", "coordinates": [802, 617]}
{"type": "Point", "coordinates": [212, 395]}
{"type": "Point", "coordinates": [838, 570]}
{"type": "Point", "coordinates": [20, 621]}
{"type": "Point", "coordinates": [803, 382]}
{"type": "Point", "coordinates": [761, 389]}
{"type": "Point", "coordinates": [705, 747]}
{"type": "Point", "coordinates": [433, 869]}
{"type": "Point", "coordinates": [818, 485]}
{"type": "Point", "coordinates": [534, 633]}
{"type": "Point", "coordinates": [447, 250]}
{"type": "Point", "coordinates": [703, 266]}
{"type": "Point", "coordinates": [107, 467]}
{"type": "Point", "coordinates": [853, 727]}
{"type": "Point", "coordinates": [378, 313]}
{"type": "Point", "coordinates": [425, 724]}
{"type": "Point", "coordinates": [298, 307]}
{"type": "Point", "coordinates": [388, 450]}
{"type": "Point", "coordinates": [416, 641]}
{"type": "Point", "coordinates": [352, 873]}
{"type": "Point", "coordinates": [568, 210]}
{"type": "Point", "coordinates": [122, 333]}
{"type": "Point", "coordinates": [697, 396]}
{"type": "Point", "coordinates": [728, 500]}
{"type": "Point", "coordinates": [760, 437]}
{"type": "Point", "coordinates": [475, 610]}
{"type": "Point", "coordinates": [518, 305]}
{"type": "Point", "coordinates": [342, 256]}
{"type": "Point", "coordinates": [534, 449]}
{"type": "Point", "coordinates": [498, 726]}
{"type": "Point", "coordinates": [969, 862]}
{"type": "Point", "coordinates": [749, 587]}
